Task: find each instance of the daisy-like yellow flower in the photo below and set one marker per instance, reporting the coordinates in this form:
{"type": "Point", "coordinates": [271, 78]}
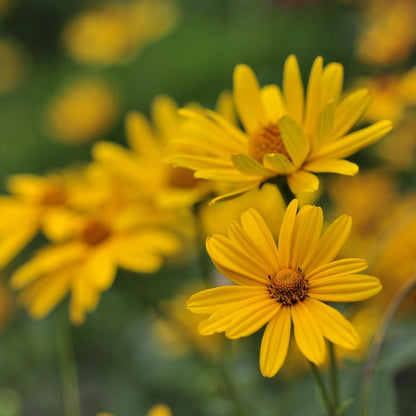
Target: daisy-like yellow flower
{"type": "Point", "coordinates": [282, 285]}
{"type": "Point", "coordinates": [285, 133]}
{"type": "Point", "coordinates": [85, 265]}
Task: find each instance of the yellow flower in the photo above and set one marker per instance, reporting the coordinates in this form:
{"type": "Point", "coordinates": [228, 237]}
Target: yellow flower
{"type": "Point", "coordinates": [82, 111]}
{"type": "Point", "coordinates": [278, 286]}
{"type": "Point", "coordinates": [143, 166]}
{"type": "Point", "coordinates": [160, 410]}
{"type": "Point", "coordinates": [86, 264]}
{"type": "Point", "coordinates": [12, 68]}
{"type": "Point", "coordinates": [285, 134]}
{"type": "Point", "coordinates": [389, 33]}
{"type": "Point", "coordinates": [114, 32]}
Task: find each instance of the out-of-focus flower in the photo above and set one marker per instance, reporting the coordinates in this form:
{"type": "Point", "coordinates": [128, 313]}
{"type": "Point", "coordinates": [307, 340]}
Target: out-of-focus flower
{"type": "Point", "coordinates": [86, 264]}
{"type": "Point", "coordinates": [286, 135]}
{"type": "Point", "coordinates": [392, 95]}
{"type": "Point", "coordinates": [160, 410]}
{"type": "Point", "coordinates": [179, 330]}
{"type": "Point", "coordinates": [114, 32]}
{"type": "Point", "coordinates": [143, 166]}
{"type": "Point", "coordinates": [388, 33]}
{"type": "Point", "coordinates": [12, 68]}
{"type": "Point", "coordinates": [82, 111]}
{"type": "Point", "coordinates": [399, 152]}
{"type": "Point", "coordinates": [280, 285]}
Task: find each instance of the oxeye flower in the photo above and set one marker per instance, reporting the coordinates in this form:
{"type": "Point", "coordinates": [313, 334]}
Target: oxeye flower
{"type": "Point", "coordinates": [286, 133]}
{"type": "Point", "coordinates": [278, 286]}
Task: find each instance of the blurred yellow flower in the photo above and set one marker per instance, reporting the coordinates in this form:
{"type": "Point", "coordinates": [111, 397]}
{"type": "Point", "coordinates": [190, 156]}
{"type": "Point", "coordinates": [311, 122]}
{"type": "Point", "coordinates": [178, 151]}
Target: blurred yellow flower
{"type": "Point", "coordinates": [12, 68]}
{"type": "Point", "coordinates": [388, 33]}
{"type": "Point", "coordinates": [113, 32]}
{"type": "Point", "coordinates": [143, 166]}
{"type": "Point", "coordinates": [286, 135]}
{"type": "Point", "coordinates": [82, 111]}
{"type": "Point", "coordinates": [160, 410]}
{"type": "Point", "coordinates": [280, 285]}
{"type": "Point", "coordinates": [85, 265]}
{"type": "Point", "coordinates": [392, 95]}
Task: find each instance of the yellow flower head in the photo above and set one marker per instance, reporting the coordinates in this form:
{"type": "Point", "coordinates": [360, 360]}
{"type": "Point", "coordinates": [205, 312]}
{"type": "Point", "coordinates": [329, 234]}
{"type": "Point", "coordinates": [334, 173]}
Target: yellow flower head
{"type": "Point", "coordinates": [86, 264]}
{"type": "Point", "coordinates": [83, 110]}
{"type": "Point", "coordinates": [115, 31]}
{"type": "Point", "coordinates": [160, 410]}
{"type": "Point", "coordinates": [280, 285]}
{"type": "Point", "coordinates": [12, 68]}
{"type": "Point", "coordinates": [286, 134]}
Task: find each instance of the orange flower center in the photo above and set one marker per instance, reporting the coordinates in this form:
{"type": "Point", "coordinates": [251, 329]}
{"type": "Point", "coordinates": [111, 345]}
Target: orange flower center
{"type": "Point", "coordinates": [288, 286]}
{"type": "Point", "coordinates": [265, 140]}
{"type": "Point", "coordinates": [181, 178]}
{"type": "Point", "coordinates": [53, 195]}
{"type": "Point", "coordinates": [94, 233]}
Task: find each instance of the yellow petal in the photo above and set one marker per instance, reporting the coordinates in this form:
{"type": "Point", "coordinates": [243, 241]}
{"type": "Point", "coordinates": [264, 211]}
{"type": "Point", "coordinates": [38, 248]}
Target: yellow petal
{"type": "Point", "coordinates": [293, 89]}
{"type": "Point", "coordinates": [84, 298]}
{"type": "Point", "coordinates": [210, 300]}
{"type": "Point", "coordinates": [272, 99]}
{"type": "Point", "coordinates": [344, 288]}
{"type": "Point", "coordinates": [302, 181]}
{"type": "Point", "coordinates": [165, 118]}
{"type": "Point", "coordinates": [194, 162]}
{"type": "Point", "coordinates": [333, 324]}
{"type": "Point", "coordinates": [227, 175]}
{"type": "Point", "coordinates": [325, 126]}
{"type": "Point", "coordinates": [308, 333]}
{"type": "Point", "coordinates": [313, 98]}
{"type": "Point", "coordinates": [247, 98]}
{"type": "Point", "coordinates": [341, 166]}
{"type": "Point", "coordinates": [250, 166]}
{"type": "Point", "coordinates": [349, 111]}
{"type": "Point", "coordinates": [332, 79]}
{"type": "Point", "coordinates": [100, 268]}
{"type": "Point", "coordinates": [338, 268]}
{"type": "Point", "coordinates": [294, 139]}
{"type": "Point", "coordinates": [235, 192]}
{"type": "Point", "coordinates": [278, 163]}
{"type": "Point", "coordinates": [285, 235]}
{"type": "Point", "coordinates": [275, 342]}
{"type": "Point", "coordinates": [329, 244]}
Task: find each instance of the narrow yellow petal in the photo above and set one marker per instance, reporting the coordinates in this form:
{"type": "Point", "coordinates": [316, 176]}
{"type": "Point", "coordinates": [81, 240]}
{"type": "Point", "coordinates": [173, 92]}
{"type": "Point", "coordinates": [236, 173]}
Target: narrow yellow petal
{"type": "Point", "coordinates": [313, 98]}
{"type": "Point", "coordinates": [333, 324]}
{"type": "Point", "coordinates": [344, 288]}
{"type": "Point", "coordinates": [100, 268]}
{"type": "Point", "coordinates": [341, 166]}
{"type": "Point", "coordinates": [227, 175]}
{"type": "Point", "coordinates": [250, 166]}
{"type": "Point", "coordinates": [194, 162]}
{"type": "Point", "coordinates": [330, 243]}
{"type": "Point", "coordinates": [332, 80]}
{"type": "Point", "coordinates": [272, 99]}
{"type": "Point", "coordinates": [308, 333]}
{"type": "Point", "coordinates": [278, 163]}
{"type": "Point", "coordinates": [295, 140]}
{"type": "Point", "coordinates": [302, 181]}
{"type": "Point", "coordinates": [235, 192]}
{"type": "Point", "coordinates": [340, 267]}
{"type": "Point", "coordinates": [247, 98]}
{"type": "Point", "coordinates": [210, 300]}
{"type": "Point", "coordinates": [325, 126]}
{"type": "Point", "coordinates": [285, 235]}
{"type": "Point", "coordinates": [275, 342]}
{"type": "Point", "coordinates": [293, 89]}
{"type": "Point", "coordinates": [165, 118]}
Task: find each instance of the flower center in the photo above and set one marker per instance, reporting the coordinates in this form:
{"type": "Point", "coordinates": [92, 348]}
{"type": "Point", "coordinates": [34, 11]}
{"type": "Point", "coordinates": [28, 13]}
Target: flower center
{"type": "Point", "coordinates": [53, 195]}
{"type": "Point", "coordinates": [94, 233]}
{"type": "Point", "coordinates": [288, 286]}
{"type": "Point", "coordinates": [181, 178]}
{"type": "Point", "coordinates": [267, 139]}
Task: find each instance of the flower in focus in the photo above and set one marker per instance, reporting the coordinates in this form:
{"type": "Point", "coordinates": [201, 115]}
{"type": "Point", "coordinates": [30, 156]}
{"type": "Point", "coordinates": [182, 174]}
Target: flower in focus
{"type": "Point", "coordinates": [12, 68]}
{"type": "Point", "coordinates": [280, 285]}
{"type": "Point", "coordinates": [82, 111]}
{"type": "Point", "coordinates": [114, 32]}
{"type": "Point", "coordinates": [389, 33]}
{"type": "Point", "coordinates": [392, 95]}
{"type": "Point", "coordinates": [289, 135]}
{"type": "Point", "coordinates": [86, 264]}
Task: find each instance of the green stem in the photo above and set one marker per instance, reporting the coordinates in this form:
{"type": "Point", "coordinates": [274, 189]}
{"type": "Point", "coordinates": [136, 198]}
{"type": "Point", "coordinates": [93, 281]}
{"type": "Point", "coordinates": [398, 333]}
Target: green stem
{"type": "Point", "coordinates": [322, 389]}
{"type": "Point", "coordinates": [67, 367]}
{"type": "Point", "coordinates": [378, 340]}
{"type": "Point", "coordinates": [334, 379]}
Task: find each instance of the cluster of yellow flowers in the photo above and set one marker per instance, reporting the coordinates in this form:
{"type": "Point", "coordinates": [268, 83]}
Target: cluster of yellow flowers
{"type": "Point", "coordinates": [129, 208]}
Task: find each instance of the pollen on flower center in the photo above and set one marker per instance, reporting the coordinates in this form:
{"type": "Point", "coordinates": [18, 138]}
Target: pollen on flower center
{"type": "Point", "coordinates": [95, 233]}
{"type": "Point", "coordinates": [288, 286]}
{"type": "Point", "coordinates": [181, 178]}
{"type": "Point", "coordinates": [266, 139]}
